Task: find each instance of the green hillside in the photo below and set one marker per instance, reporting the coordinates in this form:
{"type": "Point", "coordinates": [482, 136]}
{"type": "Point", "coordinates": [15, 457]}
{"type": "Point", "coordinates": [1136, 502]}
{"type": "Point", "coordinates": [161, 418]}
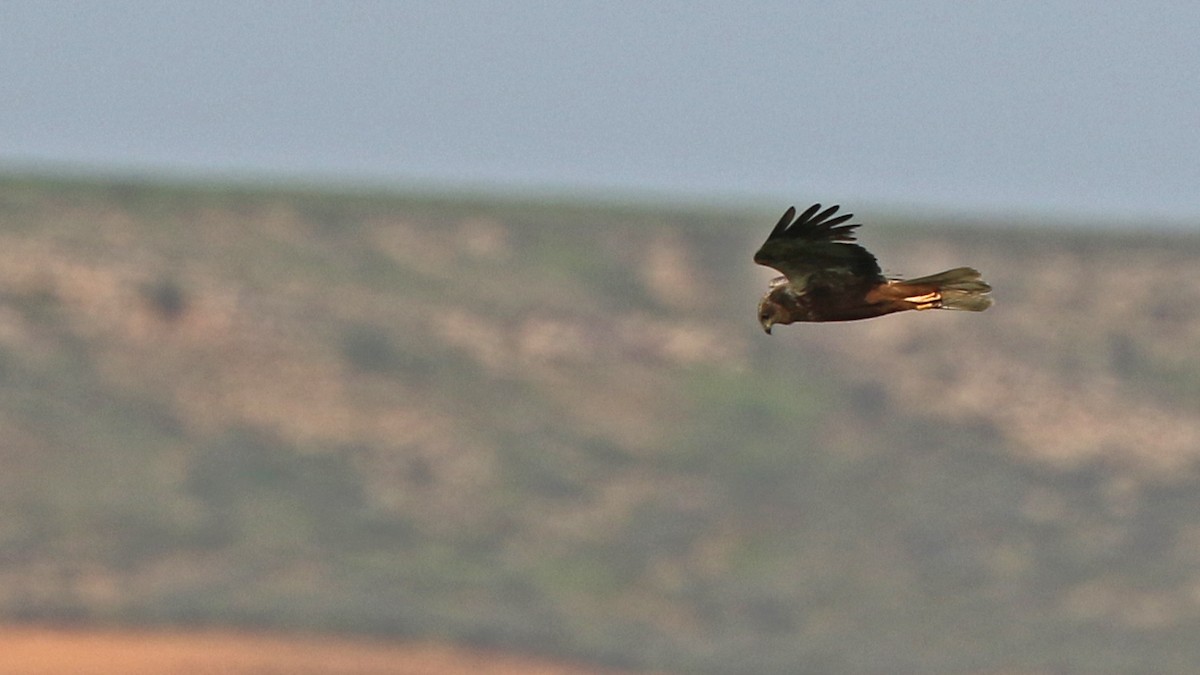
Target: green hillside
{"type": "Point", "coordinates": [557, 428]}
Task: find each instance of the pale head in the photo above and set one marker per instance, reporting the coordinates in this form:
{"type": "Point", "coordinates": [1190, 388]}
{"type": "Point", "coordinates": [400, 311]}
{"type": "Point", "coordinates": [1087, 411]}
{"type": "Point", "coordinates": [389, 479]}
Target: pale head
{"type": "Point", "coordinates": [769, 312]}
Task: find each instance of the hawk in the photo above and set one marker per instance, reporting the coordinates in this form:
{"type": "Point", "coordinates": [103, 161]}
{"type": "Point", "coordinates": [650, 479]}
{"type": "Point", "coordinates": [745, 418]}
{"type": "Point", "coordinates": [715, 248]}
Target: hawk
{"type": "Point", "coordinates": [826, 277]}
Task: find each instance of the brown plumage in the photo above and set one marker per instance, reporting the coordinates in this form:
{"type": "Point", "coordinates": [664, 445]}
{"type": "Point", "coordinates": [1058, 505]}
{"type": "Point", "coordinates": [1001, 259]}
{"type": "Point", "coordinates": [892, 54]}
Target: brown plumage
{"type": "Point", "coordinates": [827, 277]}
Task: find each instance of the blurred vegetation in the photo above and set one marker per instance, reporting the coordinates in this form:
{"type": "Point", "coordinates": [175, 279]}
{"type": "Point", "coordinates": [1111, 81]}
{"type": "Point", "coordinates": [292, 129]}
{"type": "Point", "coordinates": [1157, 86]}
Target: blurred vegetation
{"type": "Point", "coordinates": [556, 427]}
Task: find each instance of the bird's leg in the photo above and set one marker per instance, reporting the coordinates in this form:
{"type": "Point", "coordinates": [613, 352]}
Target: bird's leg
{"type": "Point", "coordinates": [927, 301]}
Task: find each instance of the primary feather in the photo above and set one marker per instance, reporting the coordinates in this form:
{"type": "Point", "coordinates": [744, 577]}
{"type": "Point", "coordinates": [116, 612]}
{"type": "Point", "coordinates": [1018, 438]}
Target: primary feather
{"type": "Point", "coordinates": [814, 246]}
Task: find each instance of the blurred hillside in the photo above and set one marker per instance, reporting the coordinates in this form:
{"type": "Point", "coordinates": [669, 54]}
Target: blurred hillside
{"type": "Point", "coordinates": [557, 428]}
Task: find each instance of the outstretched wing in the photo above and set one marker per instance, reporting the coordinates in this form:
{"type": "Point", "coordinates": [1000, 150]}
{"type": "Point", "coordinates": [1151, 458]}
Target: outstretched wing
{"type": "Point", "coordinates": [816, 247]}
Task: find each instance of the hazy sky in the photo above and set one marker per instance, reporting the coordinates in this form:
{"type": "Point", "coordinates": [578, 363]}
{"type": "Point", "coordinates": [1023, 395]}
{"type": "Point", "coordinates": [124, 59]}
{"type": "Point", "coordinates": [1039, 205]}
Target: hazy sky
{"type": "Point", "coordinates": [1069, 106]}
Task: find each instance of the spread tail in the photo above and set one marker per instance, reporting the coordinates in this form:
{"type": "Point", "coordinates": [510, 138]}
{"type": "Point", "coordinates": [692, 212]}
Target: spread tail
{"type": "Point", "coordinates": [960, 288]}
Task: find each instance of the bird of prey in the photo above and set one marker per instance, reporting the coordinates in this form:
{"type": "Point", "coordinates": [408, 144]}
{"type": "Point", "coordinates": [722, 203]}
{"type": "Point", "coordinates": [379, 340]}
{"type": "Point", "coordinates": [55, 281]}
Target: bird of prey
{"type": "Point", "coordinates": [826, 277]}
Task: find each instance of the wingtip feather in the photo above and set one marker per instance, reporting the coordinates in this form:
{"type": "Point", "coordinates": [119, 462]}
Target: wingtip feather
{"type": "Point", "coordinates": [814, 224]}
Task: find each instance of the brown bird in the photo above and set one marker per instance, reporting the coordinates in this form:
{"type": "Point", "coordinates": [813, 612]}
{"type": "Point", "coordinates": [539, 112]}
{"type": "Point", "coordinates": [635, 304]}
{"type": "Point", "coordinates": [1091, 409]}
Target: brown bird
{"type": "Point", "coordinates": [828, 278]}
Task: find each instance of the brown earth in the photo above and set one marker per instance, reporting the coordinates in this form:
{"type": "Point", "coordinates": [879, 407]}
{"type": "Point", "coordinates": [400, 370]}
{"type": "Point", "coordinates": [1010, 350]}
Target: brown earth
{"type": "Point", "coordinates": [56, 651]}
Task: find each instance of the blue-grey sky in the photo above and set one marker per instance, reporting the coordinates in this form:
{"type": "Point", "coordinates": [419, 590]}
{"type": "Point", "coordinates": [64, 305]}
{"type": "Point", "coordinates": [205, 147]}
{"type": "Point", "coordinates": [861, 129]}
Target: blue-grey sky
{"type": "Point", "coordinates": [1076, 107]}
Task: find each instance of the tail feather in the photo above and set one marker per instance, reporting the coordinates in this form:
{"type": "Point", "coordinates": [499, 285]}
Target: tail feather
{"type": "Point", "coordinates": [961, 288]}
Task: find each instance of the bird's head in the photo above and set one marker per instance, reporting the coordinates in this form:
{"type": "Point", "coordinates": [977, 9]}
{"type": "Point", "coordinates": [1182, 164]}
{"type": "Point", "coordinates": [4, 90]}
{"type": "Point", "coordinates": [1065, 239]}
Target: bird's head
{"type": "Point", "coordinates": [768, 313]}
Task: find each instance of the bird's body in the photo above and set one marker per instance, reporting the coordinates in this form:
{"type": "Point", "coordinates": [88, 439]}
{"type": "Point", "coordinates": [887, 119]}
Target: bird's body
{"type": "Point", "coordinates": [827, 277]}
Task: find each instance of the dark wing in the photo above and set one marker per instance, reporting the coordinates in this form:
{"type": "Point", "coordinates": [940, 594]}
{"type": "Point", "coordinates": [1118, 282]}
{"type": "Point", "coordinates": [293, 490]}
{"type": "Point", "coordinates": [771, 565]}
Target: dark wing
{"type": "Point", "coordinates": [816, 247]}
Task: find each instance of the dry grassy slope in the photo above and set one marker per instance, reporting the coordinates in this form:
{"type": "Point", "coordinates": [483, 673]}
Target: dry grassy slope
{"type": "Point", "coordinates": [558, 427]}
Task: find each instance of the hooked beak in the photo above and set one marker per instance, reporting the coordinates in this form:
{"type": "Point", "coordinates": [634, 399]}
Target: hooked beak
{"type": "Point", "coordinates": [766, 328]}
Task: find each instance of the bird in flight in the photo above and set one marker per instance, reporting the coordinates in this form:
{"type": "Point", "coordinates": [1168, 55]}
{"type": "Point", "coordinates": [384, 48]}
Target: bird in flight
{"type": "Point", "coordinates": [827, 277]}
